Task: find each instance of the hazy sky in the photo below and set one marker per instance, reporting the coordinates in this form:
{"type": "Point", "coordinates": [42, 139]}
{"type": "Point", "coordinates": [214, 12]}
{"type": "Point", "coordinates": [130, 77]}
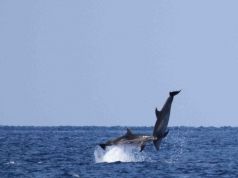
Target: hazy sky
{"type": "Point", "coordinates": [105, 62]}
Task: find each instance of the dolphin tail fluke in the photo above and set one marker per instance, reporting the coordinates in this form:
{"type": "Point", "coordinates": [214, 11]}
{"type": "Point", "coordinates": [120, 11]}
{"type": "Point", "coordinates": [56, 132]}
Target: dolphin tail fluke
{"type": "Point", "coordinates": [173, 93]}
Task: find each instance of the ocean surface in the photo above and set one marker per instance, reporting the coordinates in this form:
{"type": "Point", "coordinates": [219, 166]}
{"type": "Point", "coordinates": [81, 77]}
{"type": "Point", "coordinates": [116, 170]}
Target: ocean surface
{"type": "Point", "coordinates": [73, 152]}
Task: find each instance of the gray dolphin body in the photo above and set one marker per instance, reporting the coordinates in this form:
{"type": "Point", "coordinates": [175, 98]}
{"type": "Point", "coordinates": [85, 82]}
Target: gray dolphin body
{"type": "Point", "coordinates": [160, 129]}
{"type": "Point", "coordinates": [129, 138]}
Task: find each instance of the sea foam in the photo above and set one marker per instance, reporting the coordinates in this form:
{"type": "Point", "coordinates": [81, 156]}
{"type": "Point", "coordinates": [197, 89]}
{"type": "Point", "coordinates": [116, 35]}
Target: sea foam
{"type": "Point", "coordinates": [122, 153]}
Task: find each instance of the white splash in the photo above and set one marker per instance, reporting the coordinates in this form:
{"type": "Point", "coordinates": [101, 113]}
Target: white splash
{"type": "Point", "coordinates": [122, 153]}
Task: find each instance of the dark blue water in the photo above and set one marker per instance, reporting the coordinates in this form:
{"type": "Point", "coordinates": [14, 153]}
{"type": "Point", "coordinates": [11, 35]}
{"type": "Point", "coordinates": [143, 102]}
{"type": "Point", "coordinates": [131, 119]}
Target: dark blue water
{"type": "Point", "coordinates": [70, 152]}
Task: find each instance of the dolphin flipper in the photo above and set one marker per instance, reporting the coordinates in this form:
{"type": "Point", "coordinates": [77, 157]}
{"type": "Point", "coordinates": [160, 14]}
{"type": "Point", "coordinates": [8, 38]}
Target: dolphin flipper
{"type": "Point", "coordinates": [166, 133]}
{"type": "Point", "coordinates": [162, 135]}
{"type": "Point", "coordinates": [142, 147]}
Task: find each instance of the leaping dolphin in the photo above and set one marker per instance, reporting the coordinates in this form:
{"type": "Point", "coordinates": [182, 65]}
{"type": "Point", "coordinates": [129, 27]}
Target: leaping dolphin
{"type": "Point", "coordinates": [160, 129]}
{"type": "Point", "coordinates": [129, 138]}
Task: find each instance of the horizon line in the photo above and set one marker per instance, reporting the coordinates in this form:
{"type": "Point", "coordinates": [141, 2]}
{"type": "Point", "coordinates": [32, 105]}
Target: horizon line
{"type": "Point", "coordinates": [215, 126]}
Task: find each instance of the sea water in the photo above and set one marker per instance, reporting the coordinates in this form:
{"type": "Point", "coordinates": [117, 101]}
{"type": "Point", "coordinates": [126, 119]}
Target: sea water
{"type": "Point", "coordinates": [74, 152]}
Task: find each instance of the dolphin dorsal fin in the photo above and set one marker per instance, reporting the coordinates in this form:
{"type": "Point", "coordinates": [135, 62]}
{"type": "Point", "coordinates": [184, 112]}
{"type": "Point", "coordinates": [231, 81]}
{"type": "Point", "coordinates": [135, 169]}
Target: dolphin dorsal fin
{"type": "Point", "coordinates": [157, 113]}
{"type": "Point", "coordinates": [128, 132]}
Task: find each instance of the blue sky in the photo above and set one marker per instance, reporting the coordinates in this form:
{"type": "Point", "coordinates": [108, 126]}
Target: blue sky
{"type": "Point", "coordinates": [112, 62]}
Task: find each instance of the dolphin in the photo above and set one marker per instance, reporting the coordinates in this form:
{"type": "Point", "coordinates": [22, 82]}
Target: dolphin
{"type": "Point", "coordinates": [160, 129]}
{"type": "Point", "coordinates": [129, 138]}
